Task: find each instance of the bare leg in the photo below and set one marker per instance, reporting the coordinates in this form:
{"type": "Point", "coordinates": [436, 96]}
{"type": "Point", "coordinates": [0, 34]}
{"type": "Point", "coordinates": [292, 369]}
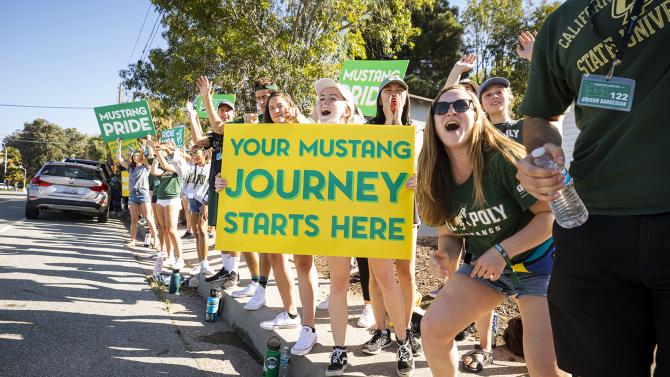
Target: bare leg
{"type": "Point", "coordinates": [377, 300]}
{"type": "Point", "coordinates": [148, 214]}
{"type": "Point", "coordinates": [337, 303]}
{"type": "Point", "coordinates": [263, 265]}
{"type": "Point", "coordinates": [461, 301]}
{"type": "Point", "coordinates": [159, 228]}
{"type": "Point", "coordinates": [284, 279]}
{"type": "Point", "coordinates": [308, 285]}
{"type": "Point", "coordinates": [538, 338]}
{"type": "Point", "coordinates": [134, 218]}
{"type": "Point", "coordinates": [406, 270]}
{"type": "Point", "coordinates": [171, 221]}
{"type": "Point", "coordinates": [252, 262]}
{"type": "Point", "coordinates": [393, 298]}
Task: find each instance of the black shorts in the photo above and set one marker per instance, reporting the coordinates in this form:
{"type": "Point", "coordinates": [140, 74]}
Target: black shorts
{"type": "Point", "coordinates": [609, 296]}
{"type": "Point", "coordinates": [212, 207]}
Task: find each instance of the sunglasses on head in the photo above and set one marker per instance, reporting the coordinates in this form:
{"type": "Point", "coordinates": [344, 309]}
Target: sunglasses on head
{"type": "Point", "coordinates": [460, 106]}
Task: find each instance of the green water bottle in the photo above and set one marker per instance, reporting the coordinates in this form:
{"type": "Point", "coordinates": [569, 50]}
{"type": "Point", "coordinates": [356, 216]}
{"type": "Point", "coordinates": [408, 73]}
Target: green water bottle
{"type": "Point", "coordinates": [175, 282]}
{"type": "Point", "coordinates": [272, 355]}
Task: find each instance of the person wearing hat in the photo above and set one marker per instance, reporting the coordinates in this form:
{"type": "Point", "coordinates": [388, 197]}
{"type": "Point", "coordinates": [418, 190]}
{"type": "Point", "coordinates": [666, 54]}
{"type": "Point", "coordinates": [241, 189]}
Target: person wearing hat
{"type": "Point", "coordinates": [225, 113]}
{"type": "Point", "coordinates": [496, 98]}
{"type": "Point", "coordinates": [394, 289]}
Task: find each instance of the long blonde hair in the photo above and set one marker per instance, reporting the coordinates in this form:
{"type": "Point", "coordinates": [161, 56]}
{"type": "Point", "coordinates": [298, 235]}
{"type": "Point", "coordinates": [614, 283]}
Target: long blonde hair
{"type": "Point", "coordinates": [436, 185]}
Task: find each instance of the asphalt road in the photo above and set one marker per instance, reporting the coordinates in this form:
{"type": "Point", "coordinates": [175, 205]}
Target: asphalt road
{"type": "Point", "coordinates": [74, 302]}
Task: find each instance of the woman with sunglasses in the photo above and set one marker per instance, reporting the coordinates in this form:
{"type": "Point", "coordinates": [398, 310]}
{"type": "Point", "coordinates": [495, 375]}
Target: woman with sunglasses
{"type": "Point", "coordinates": [468, 187]}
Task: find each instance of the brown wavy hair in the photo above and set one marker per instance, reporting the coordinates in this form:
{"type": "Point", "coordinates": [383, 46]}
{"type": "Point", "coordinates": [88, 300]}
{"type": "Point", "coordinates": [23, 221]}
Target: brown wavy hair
{"type": "Point", "coordinates": [267, 118]}
{"type": "Point", "coordinates": [436, 185]}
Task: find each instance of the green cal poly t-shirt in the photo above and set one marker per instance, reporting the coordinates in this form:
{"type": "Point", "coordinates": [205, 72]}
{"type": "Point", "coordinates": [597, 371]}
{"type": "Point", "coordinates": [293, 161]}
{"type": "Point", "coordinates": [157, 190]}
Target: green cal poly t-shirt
{"type": "Point", "coordinates": [619, 165]}
{"type": "Point", "coordinates": [511, 129]}
{"type": "Point", "coordinates": [505, 213]}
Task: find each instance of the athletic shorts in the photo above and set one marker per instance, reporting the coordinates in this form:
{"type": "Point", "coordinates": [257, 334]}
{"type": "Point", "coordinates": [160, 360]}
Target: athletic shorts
{"type": "Point", "coordinates": [169, 202]}
{"type": "Point", "coordinates": [194, 205]}
{"type": "Point", "coordinates": [532, 284]}
{"type": "Point", "coordinates": [609, 297]}
{"type": "Point", "coordinates": [139, 196]}
{"type": "Point", "coordinates": [212, 207]}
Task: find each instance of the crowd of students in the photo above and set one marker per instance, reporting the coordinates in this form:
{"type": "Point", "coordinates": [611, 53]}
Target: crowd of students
{"type": "Point", "coordinates": [472, 163]}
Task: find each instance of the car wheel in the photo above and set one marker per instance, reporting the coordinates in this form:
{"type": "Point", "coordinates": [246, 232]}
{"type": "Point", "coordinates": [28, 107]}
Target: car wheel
{"type": "Point", "coordinates": [32, 213]}
{"type": "Point", "coordinates": [103, 217]}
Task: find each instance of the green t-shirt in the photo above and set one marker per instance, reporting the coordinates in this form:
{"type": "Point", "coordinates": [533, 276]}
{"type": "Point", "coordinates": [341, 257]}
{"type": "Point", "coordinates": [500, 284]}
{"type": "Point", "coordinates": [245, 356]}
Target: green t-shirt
{"type": "Point", "coordinates": [619, 157]}
{"type": "Point", "coordinates": [169, 186]}
{"type": "Point", "coordinates": [511, 129]}
{"type": "Point", "coordinates": [506, 210]}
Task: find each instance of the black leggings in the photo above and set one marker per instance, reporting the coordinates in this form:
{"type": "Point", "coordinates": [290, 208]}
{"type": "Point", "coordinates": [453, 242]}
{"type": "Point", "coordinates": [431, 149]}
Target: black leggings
{"type": "Point", "coordinates": [364, 272]}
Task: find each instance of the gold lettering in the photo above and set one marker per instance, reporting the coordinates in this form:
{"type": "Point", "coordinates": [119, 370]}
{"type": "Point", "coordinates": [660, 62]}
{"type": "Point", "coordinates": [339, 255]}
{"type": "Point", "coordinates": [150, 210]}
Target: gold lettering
{"type": "Point", "coordinates": [660, 23]}
{"type": "Point", "coordinates": [599, 50]}
{"type": "Point", "coordinates": [609, 46]}
{"type": "Point", "coordinates": [666, 8]}
{"type": "Point", "coordinates": [640, 30]}
{"type": "Point", "coordinates": [567, 38]}
{"type": "Point", "coordinates": [597, 63]}
{"type": "Point", "coordinates": [584, 60]}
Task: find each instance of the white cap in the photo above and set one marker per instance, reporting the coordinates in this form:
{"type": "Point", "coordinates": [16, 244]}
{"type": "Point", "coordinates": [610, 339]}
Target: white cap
{"type": "Point", "coordinates": [538, 152]}
{"type": "Point", "coordinates": [346, 94]}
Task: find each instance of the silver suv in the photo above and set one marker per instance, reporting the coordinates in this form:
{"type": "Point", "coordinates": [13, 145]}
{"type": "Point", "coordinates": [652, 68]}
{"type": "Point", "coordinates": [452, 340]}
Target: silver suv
{"type": "Point", "coordinates": [67, 186]}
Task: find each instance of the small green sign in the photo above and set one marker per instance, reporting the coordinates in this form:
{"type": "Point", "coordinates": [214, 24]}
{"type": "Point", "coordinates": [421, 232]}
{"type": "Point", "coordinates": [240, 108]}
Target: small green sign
{"type": "Point", "coordinates": [363, 77]}
{"type": "Point", "coordinates": [125, 121]}
{"type": "Point", "coordinates": [216, 100]}
{"type": "Point", "coordinates": [175, 135]}
{"type": "Point", "coordinates": [614, 93]}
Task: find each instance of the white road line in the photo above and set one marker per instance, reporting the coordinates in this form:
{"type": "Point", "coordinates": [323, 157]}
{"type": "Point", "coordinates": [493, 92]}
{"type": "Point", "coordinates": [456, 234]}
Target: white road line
{"type": "Point", "coordinates": [10, 226]}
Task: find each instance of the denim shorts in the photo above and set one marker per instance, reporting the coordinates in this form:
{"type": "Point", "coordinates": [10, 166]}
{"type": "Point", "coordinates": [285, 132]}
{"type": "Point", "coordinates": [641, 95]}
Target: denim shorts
{"type": "Point", "coordinates": [139, 196]}
{"type": "Point", "coordinates": [532, 284]}
{"type": "Point", "coordinates": [194, 205]}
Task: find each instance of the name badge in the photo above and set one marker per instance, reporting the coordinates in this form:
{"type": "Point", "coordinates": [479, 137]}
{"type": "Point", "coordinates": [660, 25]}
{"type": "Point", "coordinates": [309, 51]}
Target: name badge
{"type": "Point", "coordinates": [613, 94]}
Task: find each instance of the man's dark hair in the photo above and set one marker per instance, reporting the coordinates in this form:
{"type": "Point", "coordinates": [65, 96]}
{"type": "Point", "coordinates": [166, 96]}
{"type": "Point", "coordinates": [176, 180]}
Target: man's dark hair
{"type": "Point", "coordinates": [263, 81]}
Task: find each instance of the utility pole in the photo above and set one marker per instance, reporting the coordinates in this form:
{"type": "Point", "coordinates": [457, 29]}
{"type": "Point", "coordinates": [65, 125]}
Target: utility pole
{"type": "Point", "coordinates": [4, 177]}
{"type": "Point", "coordinates": [120, 92]}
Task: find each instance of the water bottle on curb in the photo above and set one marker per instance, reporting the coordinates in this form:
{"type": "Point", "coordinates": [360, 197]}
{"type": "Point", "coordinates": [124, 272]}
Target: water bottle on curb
{"type": "Point", "coordinates": [272, 356]}
{"type": "Point", "coordinates": [158, 265]}
{"type": "Point", "coordinates": [568, 209]}
{"type": "Point", "coordinates": [494, 330]}
{"type": "Point", "coordinates": [175, 282]}
{"type": "Point", "coordinates": [212, 306]}
{"type": "Point", "coordinates": [283, 362]}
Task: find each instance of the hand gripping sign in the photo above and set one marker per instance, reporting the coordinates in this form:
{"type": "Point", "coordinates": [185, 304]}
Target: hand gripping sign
{"type": "Point", "coordinates": [336, 190]}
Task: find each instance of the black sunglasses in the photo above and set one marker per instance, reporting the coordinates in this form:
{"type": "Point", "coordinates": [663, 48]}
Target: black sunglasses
{"type": "Point", "coordinates": [460, 106]}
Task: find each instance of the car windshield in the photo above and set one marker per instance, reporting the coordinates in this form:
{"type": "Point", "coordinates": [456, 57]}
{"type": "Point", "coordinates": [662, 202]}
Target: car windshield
{"type": "Point", "coordinates": [71, 172]}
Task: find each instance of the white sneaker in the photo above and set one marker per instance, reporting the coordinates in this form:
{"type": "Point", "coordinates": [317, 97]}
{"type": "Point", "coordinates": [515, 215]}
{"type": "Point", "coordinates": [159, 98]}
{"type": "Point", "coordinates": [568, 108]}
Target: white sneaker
{"type": "Point", "coordinates": [196, 270]}
{"type": "Point", "coordinates": [353, 267]}
{"type": "Point", "coordinates": [323, 305]}
{"type": "Point", "coordinates": [281, 321]}
{"type": "Point", "coordinates": [257, 300]}
{"type": "Point", "coordinates": [169, 262]}
{"type": "Point", "coordinates": [206, 269]}
{"type": "Point", "coordinates": [305, 343]}
{"type": "Point", "coordinates": [367, 317]}
{"type": "Point", "coordinates": [247, 291]}
{"type": "Point", "coordinates": [179, 264]}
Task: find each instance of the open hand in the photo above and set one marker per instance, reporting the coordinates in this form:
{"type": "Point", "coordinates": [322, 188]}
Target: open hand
{"type": "Point", "coordinates": [466, 63]}
{"type": "Point", "coordinates": [525, 47]}
{"type": "Point", "coordinates": [489, 266]}
{"type": "Point", "coordinates": [204, 86]}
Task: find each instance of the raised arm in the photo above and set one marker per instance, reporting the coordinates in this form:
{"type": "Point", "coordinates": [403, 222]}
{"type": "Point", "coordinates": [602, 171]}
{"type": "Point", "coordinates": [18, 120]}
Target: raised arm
{"type": "Point", "coordinates": [525, 47]}
{"type": "Point", "coordinates": [465, 64]}
{"type": "Point", "coordinates": [119, 158]}
{"type": "Point", "coordinates": [197, 136]}
{"type": "Point", "coordinates": [205, 88]}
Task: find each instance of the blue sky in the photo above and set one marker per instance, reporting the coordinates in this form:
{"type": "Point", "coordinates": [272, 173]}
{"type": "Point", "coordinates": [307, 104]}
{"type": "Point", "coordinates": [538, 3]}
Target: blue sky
{"type": "Point", "coordinates": [68, 53]}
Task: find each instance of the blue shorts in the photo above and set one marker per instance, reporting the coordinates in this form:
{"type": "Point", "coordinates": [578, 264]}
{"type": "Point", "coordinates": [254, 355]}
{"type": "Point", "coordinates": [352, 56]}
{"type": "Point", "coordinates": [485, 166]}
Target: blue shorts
{"type": "Point", "coordinates": [194, 205]}
{"type": "Point", "coordinates": [532, 284]}
{"type": "Point", "coordinates": [139, 196]}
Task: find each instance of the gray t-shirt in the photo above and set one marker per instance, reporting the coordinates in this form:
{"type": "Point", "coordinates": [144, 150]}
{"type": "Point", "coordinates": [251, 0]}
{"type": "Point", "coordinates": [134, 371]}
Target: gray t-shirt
{"type": "Point", "coordinates": [138, 177]}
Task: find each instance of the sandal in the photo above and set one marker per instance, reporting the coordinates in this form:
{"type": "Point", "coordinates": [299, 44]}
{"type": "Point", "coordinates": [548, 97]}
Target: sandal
{"type": "Point", "coordinates": [475, 360]}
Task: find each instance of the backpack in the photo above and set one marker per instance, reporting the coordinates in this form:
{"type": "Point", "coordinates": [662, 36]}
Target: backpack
{"type": "Point", "coordinates": [513, 336]}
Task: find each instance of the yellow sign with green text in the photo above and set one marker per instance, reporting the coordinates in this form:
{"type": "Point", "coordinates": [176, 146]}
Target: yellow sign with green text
{"type": "Point", "coordinates": [125, 179]}
{"type": "Point", "coordinates": [334, 190]}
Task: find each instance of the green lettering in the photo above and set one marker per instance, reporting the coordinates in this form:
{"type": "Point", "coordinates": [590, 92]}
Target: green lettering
{"type": "Point", "coordinates": [377, 228]}
{"type": "Point", "coordinates": [335, 227]}
{"type": "Point", "coordinates": [261, 222]}
{"type": "Point", "coordinates": [278, 224]}
{"type": "Point", "coordinates": [232, 225]}
{"type": "Point", "coordinates": [395, 228]}
{"type": "Point", "coordinates": [309, 149]}
{"type": "Point", "coordinates": [394, 186]}
{"type": "Point", "coordinates": [310, 221]}
{"type": "Point", "coordinates": [269, 186]}
{"type": "Point", "coordinates": [346, 188]}
{"type": "Point", "coordinates": [362, 187]}
{"type": "Point", "coordinates": [313, 188]}
{"type": "Point", "coordinates": [358, 230]}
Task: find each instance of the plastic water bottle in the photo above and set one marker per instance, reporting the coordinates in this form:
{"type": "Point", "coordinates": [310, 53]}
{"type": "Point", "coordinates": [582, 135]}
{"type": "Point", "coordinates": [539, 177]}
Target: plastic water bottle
{"type": "Point", "coordinates": [494, 330]}
{"type": "Point", "coordinates": [212, 306]}
{"type": "Point", "coordinates": [568, 208]}
{"type": "Point", "coordinates": [283, 362]}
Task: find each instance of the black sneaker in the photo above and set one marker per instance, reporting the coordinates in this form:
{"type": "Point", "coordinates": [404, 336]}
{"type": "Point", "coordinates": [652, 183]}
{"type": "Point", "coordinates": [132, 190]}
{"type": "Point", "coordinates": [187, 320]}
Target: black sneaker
{"type": "Point", "coordinates": [219, 276]}
{"type": "Point", "coordinates": [405, 360]}
{"type": "Point", "coordinates": [414, 343]}
{"type": "Point", "coordinates": [188, 236]}
{"type": "Point", "coordinates": [380, 339]}
{"type": "Point", "coordinates": [230, 280]}
{"type": "Point", "coordinates": [338, 362]}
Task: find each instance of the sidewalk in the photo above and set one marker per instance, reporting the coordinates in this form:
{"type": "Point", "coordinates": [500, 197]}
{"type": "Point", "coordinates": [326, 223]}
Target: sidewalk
{"type": "Point", "coordinates": [246, 324]}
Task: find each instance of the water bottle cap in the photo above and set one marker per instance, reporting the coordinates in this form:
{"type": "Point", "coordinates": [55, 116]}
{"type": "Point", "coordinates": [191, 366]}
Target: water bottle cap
{"type": "Point", "coordinates": [274, 343]}
{"type": "Point", "coordinates": [538, 152]}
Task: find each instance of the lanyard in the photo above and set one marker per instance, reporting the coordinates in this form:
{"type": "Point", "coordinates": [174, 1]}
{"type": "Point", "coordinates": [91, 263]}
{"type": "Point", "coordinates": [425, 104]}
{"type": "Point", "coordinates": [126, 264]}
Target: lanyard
{"type": "Point", "coordinates": [628, 33]}
{"type": "Point", "coordinates": [195, 174]}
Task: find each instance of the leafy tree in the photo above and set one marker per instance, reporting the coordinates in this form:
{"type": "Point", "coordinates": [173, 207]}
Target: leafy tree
{"type": "Point", "coordinates": [14, 160]}
{"type": "Point", "coordinates": [235, 41]}
{"type": "Point", "coordinates": [491, 30]}
{"type": "Point", "coordinates": [433, 51]}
